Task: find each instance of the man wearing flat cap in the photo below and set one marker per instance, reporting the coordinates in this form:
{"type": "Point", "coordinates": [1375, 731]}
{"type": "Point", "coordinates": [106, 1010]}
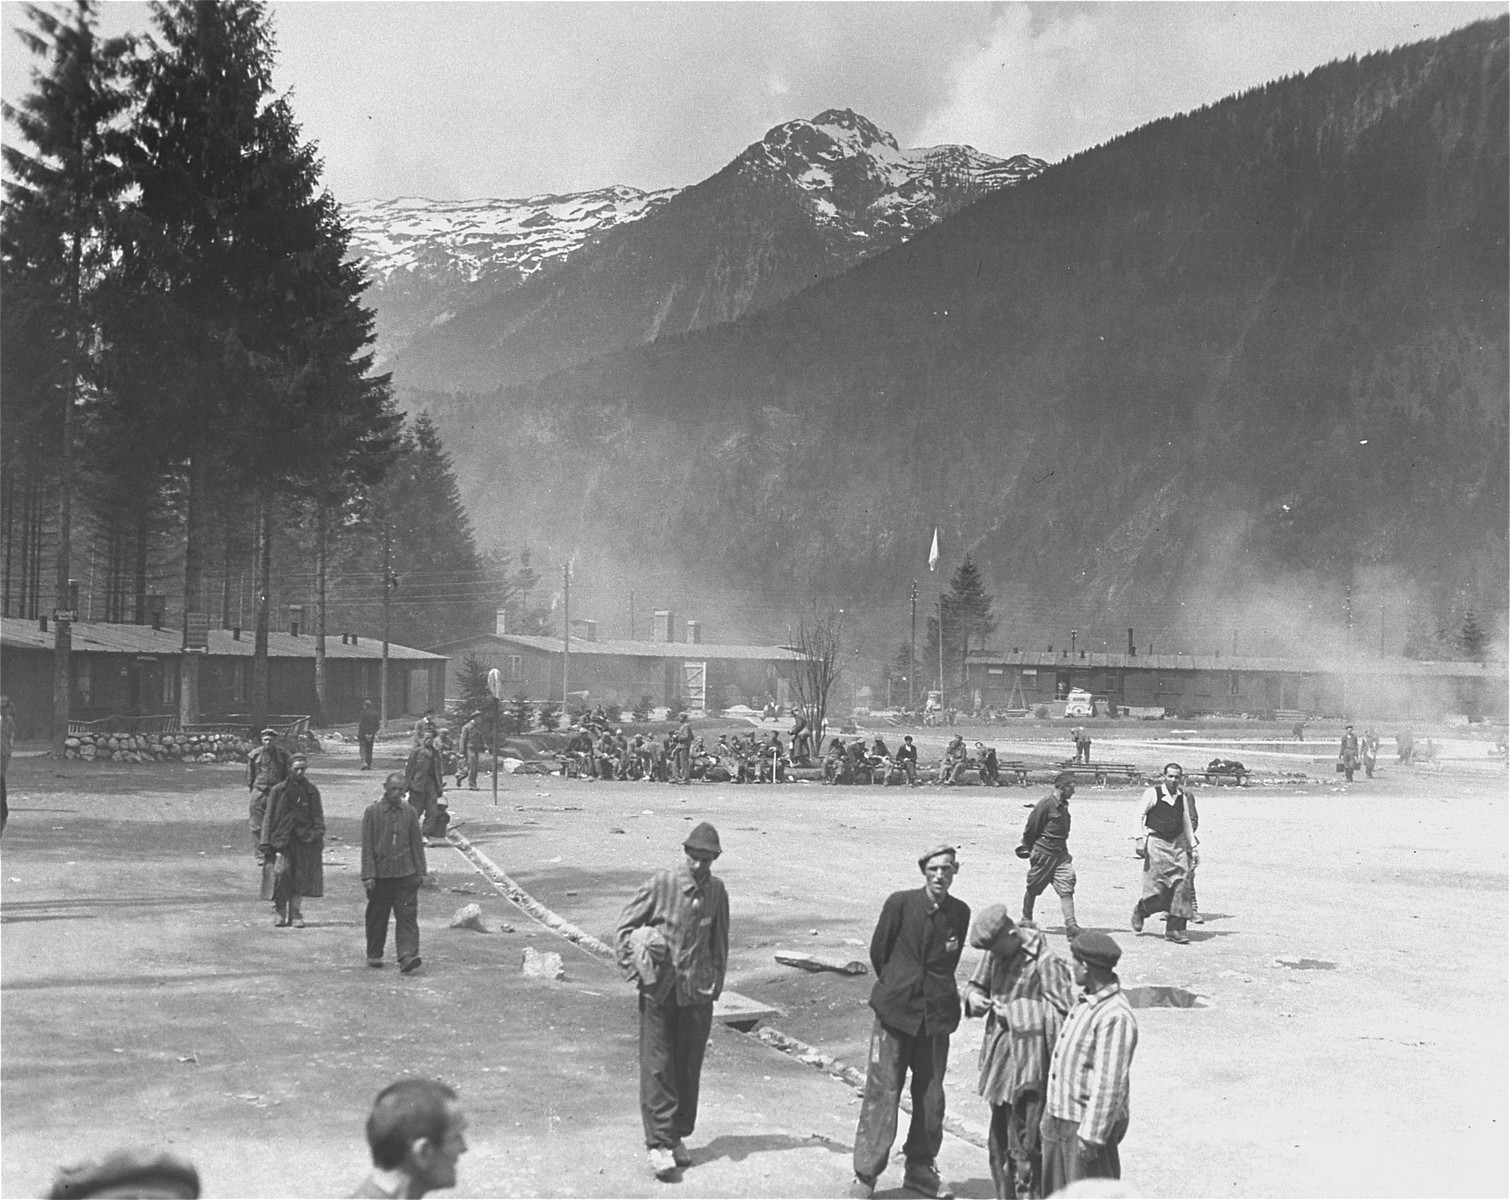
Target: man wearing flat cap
{"type": "Point", "coordinates": [266, 767]}
{"type": "Point", "coordinates": [689, 907]}
{"type": "Point", "coordinates": [915, 951]}
{"type": "Point", "coordinates": [293, 836]}
{"type": "Point", "coordinates": [1045, 844]}
{"type": "Point", "coordinates": [128, 1172]}
{"type": "Point", "coordinates": [1024, 990]}
{"type": "Point", "coordinates": [1086, 1114]}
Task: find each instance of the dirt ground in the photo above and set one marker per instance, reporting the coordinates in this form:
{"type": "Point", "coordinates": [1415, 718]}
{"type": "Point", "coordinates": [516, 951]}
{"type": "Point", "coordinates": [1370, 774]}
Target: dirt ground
{"type": "Point", "coordinates": [146, 997]}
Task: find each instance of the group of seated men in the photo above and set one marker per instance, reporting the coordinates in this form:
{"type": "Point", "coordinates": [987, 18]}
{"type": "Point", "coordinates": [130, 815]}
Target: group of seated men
{"type": "Point", "coordinates": [611, 754]}
{"type": "Point", "coordinates": [603, 752]}
{"type": "Point", "coordinates": [857, 763]}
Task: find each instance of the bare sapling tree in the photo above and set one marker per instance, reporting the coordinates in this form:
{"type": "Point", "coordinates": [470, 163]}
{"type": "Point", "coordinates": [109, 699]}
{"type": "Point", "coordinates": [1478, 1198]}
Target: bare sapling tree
{"type": "Point", "coordinates": [816, 647]}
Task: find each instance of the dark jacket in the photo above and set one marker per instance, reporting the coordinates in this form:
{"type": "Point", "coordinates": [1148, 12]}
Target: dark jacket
{"type": "Point", "coordinates": [1048, 825]}
{"type": "Point", "coordinates": [367, 723]}
{"type": "Point", "coordinates": [422, 774]}
{"type": "Point", "coordinates": [392, 845]}
{"type": "Point", "coordinates": [295, 827]}
{"type": "Point", "coordinates": [915, 953]}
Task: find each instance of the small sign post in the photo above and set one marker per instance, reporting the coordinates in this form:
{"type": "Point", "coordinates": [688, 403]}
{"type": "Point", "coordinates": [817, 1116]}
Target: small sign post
{"type": "Point", "coordinates": [197, 632]}
{"type": "Point", "coordinates": [495, 689]}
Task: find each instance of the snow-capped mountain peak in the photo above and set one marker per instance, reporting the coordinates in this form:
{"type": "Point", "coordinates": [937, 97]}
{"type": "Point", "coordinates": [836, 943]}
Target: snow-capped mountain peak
{"type": "Point", "coordinates": [855, 173]}
{"type": "Point", "coordinates": [839, 174]}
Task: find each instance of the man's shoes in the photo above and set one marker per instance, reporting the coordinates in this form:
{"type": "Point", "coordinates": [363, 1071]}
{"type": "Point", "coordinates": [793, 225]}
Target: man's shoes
{"type": "Point", "coordinates": [374, 962]}
{"type": "Point", "coordinates": [862, 1188]}
{"type": "Point", "coordinates": [1137, 917]}
{"type": "Point", "coordinates": [680, 1154]}
{"type": "Point", "coordinates": [410, 965]}
{"type": "Point", "coordinates": [1197, 918]}
{"type": "Point", "coordinates": [297, 922]}
{"type": "Point", "coordinates": [280, 922]}
{"type": "Point", "coordinates": [1178, 936]}
{"type": "Point", "coordinates": [923, 1178]}
{"type": "Point", "coordinates": [662, 1162]}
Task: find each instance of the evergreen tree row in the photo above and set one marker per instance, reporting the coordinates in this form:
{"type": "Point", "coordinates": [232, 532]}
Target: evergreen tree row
{"type": "Point", "coordinates": [187, 364]}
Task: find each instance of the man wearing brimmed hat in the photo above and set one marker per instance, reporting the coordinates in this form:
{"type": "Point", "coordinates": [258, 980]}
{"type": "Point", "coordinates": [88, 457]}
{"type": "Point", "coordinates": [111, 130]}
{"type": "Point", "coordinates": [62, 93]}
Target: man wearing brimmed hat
{"type": "Point", "coordinates": [1086, 1114]}
{"type": "Point", "coordinates": [1045, 844]}
{"type": "Point", "coordinates": [689, 907]}
{"type": "Point", "coordinates": [293, 836]}
{"type": "Point", "coordinates": [915, 950]}
{"type": "Point", "coordinates": [266, 767]}
{"type": "Point", "coordinates": [1024, 990]}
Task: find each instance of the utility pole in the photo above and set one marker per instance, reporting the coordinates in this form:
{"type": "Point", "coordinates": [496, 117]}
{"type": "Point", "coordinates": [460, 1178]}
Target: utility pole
{"type": "Point", "coordinates": [631, 614]}
{"type": "Point", "coordinates": [565, 633]}
{"type": "Point", "coordinates": [941, 647]}
{"type": "Point", "coordinates": [387, 592]}
{"type": "Point", "coordinates": [912, 647]}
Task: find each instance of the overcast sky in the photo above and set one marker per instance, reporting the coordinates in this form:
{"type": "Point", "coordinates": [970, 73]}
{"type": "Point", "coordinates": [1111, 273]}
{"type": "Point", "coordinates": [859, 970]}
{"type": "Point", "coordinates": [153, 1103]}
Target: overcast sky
{"type": "Point", "coordinates": [457, 101]}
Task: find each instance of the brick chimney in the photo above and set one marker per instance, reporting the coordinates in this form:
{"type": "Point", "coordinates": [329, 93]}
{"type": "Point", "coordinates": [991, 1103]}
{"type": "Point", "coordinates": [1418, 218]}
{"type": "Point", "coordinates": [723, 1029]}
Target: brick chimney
{"type": "Point", "coordinates": [589, 630]}
{"type": "Point", "coordinates": [295, 618]}
{"type": "Point", "coordinates": [501, 621]}
{"type": "Point", "coordinates": [694, 633]}
{"type": "Point", "coordinates": [663, 622]}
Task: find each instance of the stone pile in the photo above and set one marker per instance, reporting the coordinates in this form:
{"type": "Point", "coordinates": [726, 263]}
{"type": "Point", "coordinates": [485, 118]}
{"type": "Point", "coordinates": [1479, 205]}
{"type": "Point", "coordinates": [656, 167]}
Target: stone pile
{"type": "Point", "coordinates": [157, 747]}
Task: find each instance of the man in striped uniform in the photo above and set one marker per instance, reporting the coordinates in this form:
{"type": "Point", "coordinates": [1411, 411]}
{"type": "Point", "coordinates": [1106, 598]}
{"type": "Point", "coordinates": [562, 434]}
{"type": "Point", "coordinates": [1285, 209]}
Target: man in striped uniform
{"type": "Point", "coordinates": [1024, 990]}
{"type": "Point", "coordinates": [1086, 1115]}
{"type": "Point", "coordinates": [689, 908]}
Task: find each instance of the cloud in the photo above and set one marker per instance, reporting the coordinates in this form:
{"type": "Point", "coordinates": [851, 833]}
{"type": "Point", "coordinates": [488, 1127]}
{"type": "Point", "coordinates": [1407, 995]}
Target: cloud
{"type": "Point", "coordinates": [1054, 79]}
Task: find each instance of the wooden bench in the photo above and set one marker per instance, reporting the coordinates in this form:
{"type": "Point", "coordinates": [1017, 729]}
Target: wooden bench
{"type": "Point", "coordinates": [1236, 775]}
{"type": "Point", "coordinates": [1013, 766]}
{"type": "Point", "coordinates": [1100, 772]}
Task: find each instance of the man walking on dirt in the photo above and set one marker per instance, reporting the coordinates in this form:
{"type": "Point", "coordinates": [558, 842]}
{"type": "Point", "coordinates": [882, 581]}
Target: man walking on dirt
{"type": "Point", "coordinates": [424, 775]}
{"type": "Point", "coordinates": [471, 752]}
{"type": "Point", "coordinates": [1086, 1114]}
{"type": "Point", "coordinates": [367, 731]}
{"type": "Point", "coordinates": [1168, 852]}
{"type": "Point", "coordinates": [393, 863]}
{"type": "Point", "coordinates": [673, 939]}
{"type": "Point", "coordinates": [914, 950]}
{"type": "Point", "coordinates": [266, 767]}
{"type": "Point", "coordinates": [1045, 844]}
{"type": "Point", "coordinates": [293, 836]}
{"type": "Point", "coordinates": [416, 1132]}
{"type": "Point", "coordinates": [1347, 753]}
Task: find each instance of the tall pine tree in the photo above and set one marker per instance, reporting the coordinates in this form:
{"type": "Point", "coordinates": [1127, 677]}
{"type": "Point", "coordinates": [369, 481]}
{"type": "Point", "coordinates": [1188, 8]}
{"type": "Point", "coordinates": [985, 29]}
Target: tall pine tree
{"type": "Point", "coordinates": [967, 619]}
{"type": "Point", "coordinates": [246, 254]}
{"type": "Point", "coordinates": [58, 218]}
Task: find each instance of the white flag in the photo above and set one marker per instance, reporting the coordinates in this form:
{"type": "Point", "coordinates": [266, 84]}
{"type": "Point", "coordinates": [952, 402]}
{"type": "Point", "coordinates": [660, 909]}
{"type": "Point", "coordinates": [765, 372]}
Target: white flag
{"type": "Point", "coordinates": [933, 554]}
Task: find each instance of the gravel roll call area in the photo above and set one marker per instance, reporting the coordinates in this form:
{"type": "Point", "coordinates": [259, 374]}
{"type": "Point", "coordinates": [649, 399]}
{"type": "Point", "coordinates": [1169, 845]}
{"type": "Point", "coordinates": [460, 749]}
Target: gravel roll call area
{"type": "Point", "coordinates": [1347, 1036]}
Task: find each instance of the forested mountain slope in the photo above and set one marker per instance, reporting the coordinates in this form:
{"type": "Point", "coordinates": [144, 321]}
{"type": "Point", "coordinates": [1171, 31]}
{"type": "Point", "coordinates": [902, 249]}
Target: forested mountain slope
{"type": "Point", "coordinates": [1266, 339]}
